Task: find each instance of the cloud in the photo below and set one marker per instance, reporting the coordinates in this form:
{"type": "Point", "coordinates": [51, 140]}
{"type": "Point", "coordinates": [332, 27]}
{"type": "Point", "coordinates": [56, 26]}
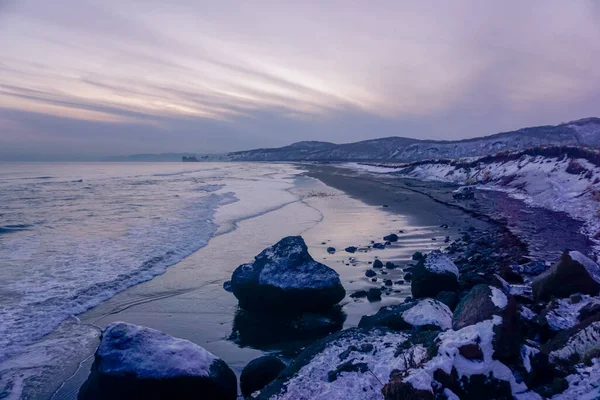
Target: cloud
{"type": "Point", "coordinates": [188, 73]}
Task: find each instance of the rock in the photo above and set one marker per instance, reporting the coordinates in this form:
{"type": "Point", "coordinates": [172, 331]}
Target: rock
{"type": "Point", "coordinates": [433, 274]}
{"type": "Point", "coordinates": [391, 238]}
{"type": "Point", "coordinates": [398, 390]}
{"type": "Point", "coordinates": [575, 298]}
{"type": "Point", "coordinates": [570, 346]}
{"type": "Point", "coordinates": [448, 298]}
{"type": "Point", "coordinates": [471, 351]}
{"type": "Point", "coordinates": [417, 256]}
{"type": "Point", "coordinates": [138, 362]}
{"type": "Point", "coordinates": [377, 263]}
{"type": "Point", "coordinates": [379, 246]}
{"type": "Point", "coordinates": [374, 295]}
{"type": "Point", "coordinates": [390, 265]}
{"type": "Point", "coordinates": [227, 286]}
{"type": "Point", "coordinates": [351, 249]}
{"type": "Point", "coordinates": [408, 276]}
{"type": "Point", "coordinates": [484, 302]}
{"type": "Point", "coordinates": [423, 314]}
{"type": "Point", "coordinates": [269, 331]}
{"type": "Point", "coordinates": [388, 282]}
{"type": "Point", "coordinates": [285, 278]}
{"type": "Point", "coordinates": [589, 310]}
{"type": "Point", "coordinates": [359, 294]}
{"type": "Point", "coordinates": [348, 365]}
{"type": "Point", "coordinates": [384, 273]}
{"type": "Point", "coordinates": [574, 273]}
{"type": "Point", "coordinates": [370, 273]}
{"type": "Point", "coordinates": [331, 250]}
{"type": "Point", "coordinates": [259, 373]}
{"type": "Point", "coordinates": [373, 279]}
{"type": "Point", "coordinates": [399, 282]}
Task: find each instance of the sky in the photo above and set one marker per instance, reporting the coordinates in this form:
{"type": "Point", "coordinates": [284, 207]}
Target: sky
{"type": "Point", "coordinates": [87, 78]}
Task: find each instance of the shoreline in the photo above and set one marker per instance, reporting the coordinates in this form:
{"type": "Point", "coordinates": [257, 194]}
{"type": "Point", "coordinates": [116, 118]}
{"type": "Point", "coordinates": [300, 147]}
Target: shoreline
{"type": "Point", "coordinates": [167, 302]}
{"type": "Point", "coordinates": [139, 303]}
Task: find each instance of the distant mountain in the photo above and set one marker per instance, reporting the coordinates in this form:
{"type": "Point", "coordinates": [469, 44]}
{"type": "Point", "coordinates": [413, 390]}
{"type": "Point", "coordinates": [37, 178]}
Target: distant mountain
{"type": "Point", "coordinates": [584, 132]}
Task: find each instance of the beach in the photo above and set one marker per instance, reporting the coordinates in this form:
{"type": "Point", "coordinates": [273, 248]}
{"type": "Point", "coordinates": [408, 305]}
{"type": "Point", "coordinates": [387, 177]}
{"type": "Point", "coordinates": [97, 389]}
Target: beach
{"type": "Point", "coordinates": [329, 207]}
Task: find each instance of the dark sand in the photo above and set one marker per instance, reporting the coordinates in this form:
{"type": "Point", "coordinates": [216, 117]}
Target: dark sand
{"type": "Point", "coordinates": [547, 233]}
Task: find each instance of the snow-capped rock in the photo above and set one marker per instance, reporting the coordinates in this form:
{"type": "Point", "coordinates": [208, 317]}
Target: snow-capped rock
{"type": "Point", "coordinates": [433, 274]}
{"type": "Point", "coordinates": [464, 377]}
{"type": "Point", "coordinates": [423, 314]}
{"type": "Point", "coordinates": [285, 277]}
{"type": "Point", "coordinates": [349, 365]}
{"type": "Point", "coordinates": [484, 302]}
{"type": "Point", "coordinates": [584, 384]}
{"type": "Point", "coordinates": [138, 362]}
{"type": "Point", "coordinates": [573, 273]}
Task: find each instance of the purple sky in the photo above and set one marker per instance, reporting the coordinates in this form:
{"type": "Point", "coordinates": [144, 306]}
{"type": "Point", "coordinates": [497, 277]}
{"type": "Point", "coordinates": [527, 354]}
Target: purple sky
{"type": "Point", "coordinates": [92, 78]}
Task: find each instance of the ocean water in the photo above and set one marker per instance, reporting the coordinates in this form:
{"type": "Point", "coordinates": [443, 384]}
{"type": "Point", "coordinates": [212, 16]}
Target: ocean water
{"type": "Point", "coordinates": [73, 235]}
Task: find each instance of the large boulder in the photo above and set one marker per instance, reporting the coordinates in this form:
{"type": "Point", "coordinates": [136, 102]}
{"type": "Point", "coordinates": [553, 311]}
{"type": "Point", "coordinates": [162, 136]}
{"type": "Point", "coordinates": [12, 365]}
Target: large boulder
{"type": "Point", "coordinates": [285, 278]}
{"type": "Point", "coordinates": [138, 362]}
{"type": "Point", "coordinates": [433, 274]}
{"type": "Point", "coordinates": [574, 273]}
{"type": "Point", "coordinates": [423, 314]}
{"type": "Point", "coordinates": [484, 302]}
{"type": "Point", "coordinates": [259, 373]}
{"type": "Point", "coordinates": [349, 365]}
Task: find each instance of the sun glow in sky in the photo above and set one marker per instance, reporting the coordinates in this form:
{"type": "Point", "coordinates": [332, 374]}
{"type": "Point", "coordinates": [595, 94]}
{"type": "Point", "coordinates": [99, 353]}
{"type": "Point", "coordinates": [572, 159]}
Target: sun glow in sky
{"type": "Point", "coordinates": [117, 77]}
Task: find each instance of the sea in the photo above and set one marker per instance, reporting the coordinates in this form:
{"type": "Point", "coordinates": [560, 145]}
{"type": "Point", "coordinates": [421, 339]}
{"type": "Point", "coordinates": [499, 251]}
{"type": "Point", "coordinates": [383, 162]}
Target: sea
{"type": "Point", "coordinates": [86, 244]}
{"type": "Point", "coordinates": [75, 234]}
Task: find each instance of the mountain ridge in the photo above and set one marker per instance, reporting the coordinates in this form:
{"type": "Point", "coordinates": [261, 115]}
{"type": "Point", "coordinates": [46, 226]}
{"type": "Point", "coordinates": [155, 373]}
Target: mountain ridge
{"type": "Point", "coordinates": [582, 132]}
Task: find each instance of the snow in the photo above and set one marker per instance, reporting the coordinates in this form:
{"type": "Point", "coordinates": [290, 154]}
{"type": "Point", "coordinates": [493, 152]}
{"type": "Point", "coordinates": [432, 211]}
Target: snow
{"type": "Point", "coordinates": [440, 263]}
{"type": "Point", "coordinates": [578, 344]}
{"type": "Point", "coordinates": [498, 298]}
{"type": "Point", "coordinates": [429, 312]}
{"type": "Point", "coordinates": [310, 275]}
{"type": "Point", "coordinates": [527, 313]}
{"type": "Point", "coordinates": [376, 169]}
{"type": "Point", "coordinates": [563, 314]}
{"type": "Point", "coordinates": [448, 356]}
{"type": "Point", "coordinates": [537, 180]}
{"type": "Point", "coordinates": [583, 385]}
{"type": "Point", "coordinates": [592, 267]}
{"type": "Point", "coordinates": [526, 353]}
{"type": "Point", "coordinates": [311, 381]}
{"type": "Point", "coordinates": [131, 349]}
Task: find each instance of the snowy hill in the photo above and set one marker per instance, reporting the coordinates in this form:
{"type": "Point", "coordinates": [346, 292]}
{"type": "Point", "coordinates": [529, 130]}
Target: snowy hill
{"type": "Point", "coordinates": [558, 178]}
{"type": "Point", "coordinates": [584, 132]}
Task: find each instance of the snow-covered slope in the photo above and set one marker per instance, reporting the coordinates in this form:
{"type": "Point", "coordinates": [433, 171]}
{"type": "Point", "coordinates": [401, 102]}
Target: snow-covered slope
{"type": "Point", "coordinates": [558, 178]}
{"type": "Point", "coordinates": [585, 132]}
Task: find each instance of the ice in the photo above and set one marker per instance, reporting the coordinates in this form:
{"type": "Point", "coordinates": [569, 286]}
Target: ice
{"type": "Point", "coordinates": [440, 263]}
{"type": "Point", "coordinates": [131, 349]}
{"type": "Point", "coordinates": [429, 312]}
